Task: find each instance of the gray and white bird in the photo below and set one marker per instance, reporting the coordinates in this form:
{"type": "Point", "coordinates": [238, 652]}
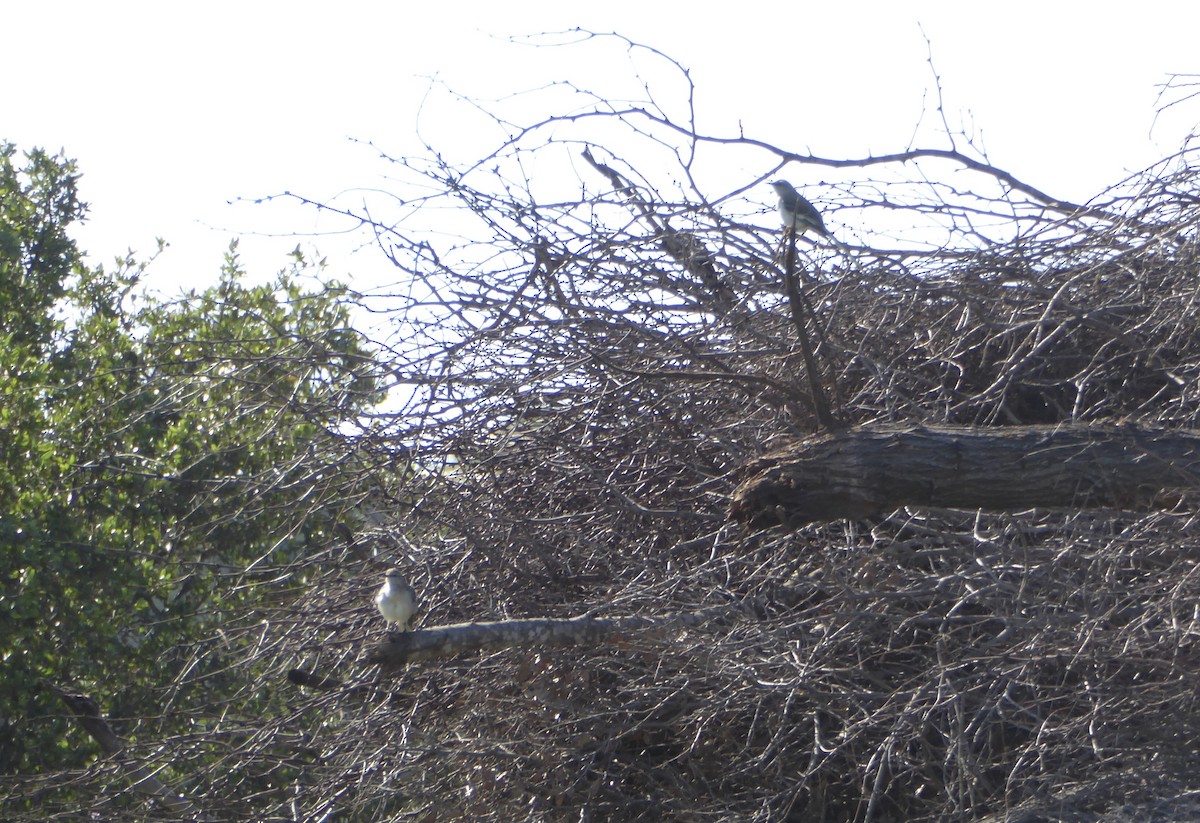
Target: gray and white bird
{"type": "Point", "coordinates": [797, 213]}
{"type": "Point", "coordinates": [397, 601]}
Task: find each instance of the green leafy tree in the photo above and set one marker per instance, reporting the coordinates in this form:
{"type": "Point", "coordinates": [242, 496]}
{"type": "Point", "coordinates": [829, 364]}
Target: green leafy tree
{"type": "Point", "coordinates": [156, 455]}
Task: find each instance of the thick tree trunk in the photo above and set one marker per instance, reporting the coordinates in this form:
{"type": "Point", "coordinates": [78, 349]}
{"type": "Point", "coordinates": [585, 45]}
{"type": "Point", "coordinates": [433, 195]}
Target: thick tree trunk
{"type": "Point", "coordinates": [873, 470]}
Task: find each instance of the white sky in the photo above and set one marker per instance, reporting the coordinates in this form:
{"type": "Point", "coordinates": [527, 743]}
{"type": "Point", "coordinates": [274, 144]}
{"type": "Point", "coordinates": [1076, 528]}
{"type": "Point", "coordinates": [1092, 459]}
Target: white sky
{"type": "Point", "coordinates": [174, 110]}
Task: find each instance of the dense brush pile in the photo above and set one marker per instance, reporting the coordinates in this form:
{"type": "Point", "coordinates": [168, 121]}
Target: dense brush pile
{"type": "Point", "coordinates": [573, 448]}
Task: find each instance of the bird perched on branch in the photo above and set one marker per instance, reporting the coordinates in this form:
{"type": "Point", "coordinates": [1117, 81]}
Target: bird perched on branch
{"type": "Point", "coordinates": [397, 601]}
{"type": "Point", "coordinates": [797, 213]}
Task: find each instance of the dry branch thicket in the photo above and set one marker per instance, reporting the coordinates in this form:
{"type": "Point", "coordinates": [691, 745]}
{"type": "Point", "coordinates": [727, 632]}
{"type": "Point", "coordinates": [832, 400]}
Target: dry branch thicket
{"type": "Point", "coordinates": [581, 375]}
{"type": "Point", "coordinates": [583, 398]}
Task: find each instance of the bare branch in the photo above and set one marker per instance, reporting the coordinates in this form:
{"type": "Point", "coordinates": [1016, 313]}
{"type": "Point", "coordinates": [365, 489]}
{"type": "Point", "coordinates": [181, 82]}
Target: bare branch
{"type": "Point", "coordinates": [145, 779]}
{"type": "Point", "coordinates": [464, 638]}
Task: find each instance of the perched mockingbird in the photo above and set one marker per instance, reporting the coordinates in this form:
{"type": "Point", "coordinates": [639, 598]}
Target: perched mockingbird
{"type": "Point", "coordinates": [397, 601]}
{"type": "Point", "coordinates": [797, 213]}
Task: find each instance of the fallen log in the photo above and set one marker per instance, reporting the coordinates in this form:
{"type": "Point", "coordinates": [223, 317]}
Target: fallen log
{"type": "Point", "coordinates": [866, 472]}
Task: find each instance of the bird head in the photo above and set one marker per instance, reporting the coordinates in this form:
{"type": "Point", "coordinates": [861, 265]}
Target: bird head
{"type": "Point", "coordinates": [783, 187]}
